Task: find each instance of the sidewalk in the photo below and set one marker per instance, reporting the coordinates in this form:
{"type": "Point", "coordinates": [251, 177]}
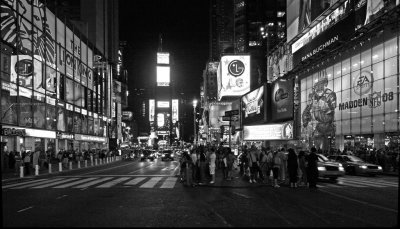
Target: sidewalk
{"type": "Point", "coordinates": [11, 174]}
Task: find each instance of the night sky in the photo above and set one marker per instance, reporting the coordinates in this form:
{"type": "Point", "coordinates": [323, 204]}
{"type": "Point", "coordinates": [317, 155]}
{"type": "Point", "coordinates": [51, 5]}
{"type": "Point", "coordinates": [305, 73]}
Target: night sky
{"type": "Point", "coordinates": [184, 25]}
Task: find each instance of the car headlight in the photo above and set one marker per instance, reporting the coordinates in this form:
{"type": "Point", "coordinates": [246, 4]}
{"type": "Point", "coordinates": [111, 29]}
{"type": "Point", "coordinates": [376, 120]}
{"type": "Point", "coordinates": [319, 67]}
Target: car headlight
{"type": "Point", "coordinates": [363, 166]}
{"type": "Point", "coordinates": [341, 168]}
{"type": "Point", "coordinates": [163, 155]}
{"type": "Point", "coordinates": [321, 169]}
{"type": "Point", "coordinates": [141, 155]}
{"type": "Point", "coordinates": [340, 165]}
{"type": "Point", "coordinates": [380, 167]}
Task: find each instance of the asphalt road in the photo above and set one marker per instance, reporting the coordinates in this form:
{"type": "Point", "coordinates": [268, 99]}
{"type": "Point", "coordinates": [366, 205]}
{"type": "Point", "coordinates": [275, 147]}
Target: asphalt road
{"type": "Point", "coordinates": [148, 194]}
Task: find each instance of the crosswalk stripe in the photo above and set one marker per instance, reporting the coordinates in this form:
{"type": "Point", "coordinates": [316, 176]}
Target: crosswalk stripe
{"type": "Point", "coordinates": [135, 181]}
{"type": "Point", "coordinates": [75, 183]}
{"type": "Point", "coordinates": [113, 182]}
{"type": "Point", "coordinates": [379, 182]}
{"type": "Point", "coordinates": [23, 183]}
{"type": "Point", "coordinates": [37, 183]}
{"type": "Point", "coordinates": [55, 183]}
{"type": "Point", "coordinates": [169, 182]}
{"type": "Point", "coordinates": [93, 182]}
{"type": "Point", "coordinates": [361, 183]}
{"type": "Point", "coordinates": [151, 183]}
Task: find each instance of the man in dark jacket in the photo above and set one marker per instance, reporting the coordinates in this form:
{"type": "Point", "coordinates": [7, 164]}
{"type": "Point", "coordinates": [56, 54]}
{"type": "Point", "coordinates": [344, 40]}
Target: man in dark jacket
{"type": "Point", "coordinates": [312, 168]}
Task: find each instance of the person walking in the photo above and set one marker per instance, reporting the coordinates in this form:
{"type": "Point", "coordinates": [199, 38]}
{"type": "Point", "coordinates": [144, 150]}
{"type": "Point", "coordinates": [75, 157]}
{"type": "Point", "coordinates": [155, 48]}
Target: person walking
{"type": "Point", "coordinates": [203, 163]}
{"type": "Point", "coordinates": [194, 164]}
{"type": "Point", "coordinates": [292, 166]}
{"type": "Point", "coordinates": [27, 161]}
{"type": "Point", "coordinates": [303, 167]}
{"type": "Point", "coordinates": [230, 160]}
{"type": "Point", "coordinates": [212, 157]}
{"type": "Point", "coordinates": [18, 162]}
{"type": "Point", "coordinates": [263, 164]}
{"type": "Point", "coordinates": [253, 164]}
{"type": "Point", "coordinates": [270, 165]}
{"type": "Point", "coordinates": [35, 160]}
{"type": "Point", "coordinates": [277, 161]}
{"type": "Point", "coordinates": [312, 168]}
{"type": "Point", "coordinates": [224, 164]}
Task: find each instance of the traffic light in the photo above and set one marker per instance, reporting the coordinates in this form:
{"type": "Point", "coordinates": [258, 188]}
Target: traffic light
{"type": "Point", "coordinates": [233, 130]}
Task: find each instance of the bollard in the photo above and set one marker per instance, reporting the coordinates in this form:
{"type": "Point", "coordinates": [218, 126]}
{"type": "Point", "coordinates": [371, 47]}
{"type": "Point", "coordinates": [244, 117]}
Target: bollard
{"type": "Point", "coordinates": [49, 168]}
{"type": "Point", "coordinates": [70, 165]}
{"type": "Point", "coordinates": [21, 171]}
{"type": "Point", "coordinates": [60, 167]}
{"type": "Point", "coordinates": [36, 170]}
{"type": "Point", "coordinates": [79, 164]}
{"type": "Point", "coordinates": [85, 163]}
{"type": "Point", "coordinates": [95, 161]}
{"type": "Point", "coordinates": [91, 161]}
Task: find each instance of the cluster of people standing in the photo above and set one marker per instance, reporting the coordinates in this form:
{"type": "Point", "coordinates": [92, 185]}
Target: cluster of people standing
{"type": "Point", "coordinates": [275, 166]}
{"type": "Point", "coordinates": [199, 165]}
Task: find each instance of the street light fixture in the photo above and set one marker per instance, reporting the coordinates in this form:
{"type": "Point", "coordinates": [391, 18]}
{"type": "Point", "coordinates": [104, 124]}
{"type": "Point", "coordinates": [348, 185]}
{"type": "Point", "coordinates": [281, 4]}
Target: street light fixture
{"type": "Point", "coordinates": [194, 120]}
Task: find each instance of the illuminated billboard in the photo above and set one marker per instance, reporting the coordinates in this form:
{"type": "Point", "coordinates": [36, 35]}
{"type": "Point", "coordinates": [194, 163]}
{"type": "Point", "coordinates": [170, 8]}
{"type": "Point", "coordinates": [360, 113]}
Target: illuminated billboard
{"type": "Point", "coordinates": [254, 106]}
{"type": "Point", "coordinates": [162, 58]}
{"type": "Point", "coordinates": [283, 131]}
{"type": "Point", "coordinates": [234, 78]}
{"type": "Point", "coordinates": [282, 100]}
{"type": "Point", "coordinates": [163, 78]}
{"type": "Point", "coordinates": [127, 115]}
{"type": "Point", "coordinates": [152, 110]}
{"type": "Point", "coordinates": [162, 104]}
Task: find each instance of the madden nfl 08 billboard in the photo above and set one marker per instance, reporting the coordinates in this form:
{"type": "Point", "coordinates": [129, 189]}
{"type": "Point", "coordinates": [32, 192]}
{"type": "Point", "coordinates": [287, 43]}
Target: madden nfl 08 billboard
{"type": "Point", "coordinates": [282, 100]}
{"type": "Point", "coordinates": [254, 106]}
{"type": "Point", "coordinates": [233, 75]}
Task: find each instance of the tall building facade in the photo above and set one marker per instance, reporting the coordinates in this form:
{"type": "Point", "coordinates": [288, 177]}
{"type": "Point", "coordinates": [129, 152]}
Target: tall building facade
{"type": "Point", "coordinates": [55, 81]}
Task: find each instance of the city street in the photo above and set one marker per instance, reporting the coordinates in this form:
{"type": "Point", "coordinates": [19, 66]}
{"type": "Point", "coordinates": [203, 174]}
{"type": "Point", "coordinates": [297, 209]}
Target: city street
{"type": "Point", "coordinates": [149, 194]}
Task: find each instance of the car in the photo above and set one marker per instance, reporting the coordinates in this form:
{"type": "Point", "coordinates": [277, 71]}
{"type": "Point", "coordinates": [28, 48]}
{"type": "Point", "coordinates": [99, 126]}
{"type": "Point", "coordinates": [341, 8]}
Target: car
{"type": "Point", "coordinates": [329, 169]}
{"type": "Point", "coordinates": [147, 154]}
{"type": "Point", "coordinates": [167, 155]}
{"type": "Point", "coordinates": [355, 165]}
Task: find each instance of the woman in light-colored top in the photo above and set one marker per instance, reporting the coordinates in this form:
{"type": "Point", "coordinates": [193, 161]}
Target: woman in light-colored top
{"type": "Point", "coordinates": [212, 164]}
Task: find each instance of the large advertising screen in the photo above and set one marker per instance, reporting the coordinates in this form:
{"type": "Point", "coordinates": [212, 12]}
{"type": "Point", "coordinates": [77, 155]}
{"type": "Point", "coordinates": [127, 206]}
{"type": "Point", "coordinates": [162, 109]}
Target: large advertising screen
{"type": "Point", "coordinates": [163, 76]}
{"type": "Point", "coordinates": [162, 104]}
{"type": "Point", "coordinates": [282, 100]}
{"type": "Point", "coordinates": [217, 111]}
{"type": "Point", "coordinates": [283, 131]}
{"type": "Point", "coordinates": [162, 58]}
{"type": "Point", "coordinates": [254, 106]}
{"type": "Point", "coordinates": [234, 78]}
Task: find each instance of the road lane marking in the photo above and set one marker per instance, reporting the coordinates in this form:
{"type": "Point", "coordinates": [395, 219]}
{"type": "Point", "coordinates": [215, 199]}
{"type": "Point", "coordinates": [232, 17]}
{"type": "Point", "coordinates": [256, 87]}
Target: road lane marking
{"type": "Point", "coordinates": [169, 182]}
{"type": "Point", "coordinates": [37, 183]}
{"type": "Point", "coordinates": [361, 202]}
{"type": "Point", "coordinates": [55, 183]}
{"type": "Point", "coordinates": [362, 183]}
{"type": "Point", "coordinates": [242, 195]}
{"type": "Point", "coordinates": [75, 183]}
{"type": "Point", "coordinates": [130, 164]}
{"type": "Point", "coordinates": [151, 183]}
{"type": "Point", "coordinates": [93, 182]}
{"type": "Point", "coordinates": [135, 181]}
{"type": "Point", "coordinates": [61, 197]}
{"type": "Point", "coordinates": [139, 169]}
{"type": "Point", "coordinates": [17, 184]}
{"type": "Point", "coordinates": [113, 182]}
{"type": "Point", "coordinates": [25, 209]}
{"type": "Point", "coordinates": [377, 182]}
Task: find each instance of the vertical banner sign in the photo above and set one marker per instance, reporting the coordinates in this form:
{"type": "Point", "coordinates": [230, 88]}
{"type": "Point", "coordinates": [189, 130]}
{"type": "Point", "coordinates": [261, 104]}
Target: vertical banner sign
{"type": "Point", "coordinates": [60, 45]}
{"type": "Point", "coordinates": [151, 110]}
{"type": "Point", "coordinates": [69, 58]}
{"type": "Point", "coordinates": [175, 111]}
{"type": "Point", "coordinates": [90, 70]}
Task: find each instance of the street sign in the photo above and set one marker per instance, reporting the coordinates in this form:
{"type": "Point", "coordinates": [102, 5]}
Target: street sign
{"type": "Point", "coordinates": [231, 112]}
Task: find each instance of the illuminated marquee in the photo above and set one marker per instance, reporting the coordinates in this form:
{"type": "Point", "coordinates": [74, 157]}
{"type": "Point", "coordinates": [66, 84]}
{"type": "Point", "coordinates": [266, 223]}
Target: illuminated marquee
{"type": "Point", "coordinates": [268, 132]}
{"type": "Point", "coordinates": [163, 75]}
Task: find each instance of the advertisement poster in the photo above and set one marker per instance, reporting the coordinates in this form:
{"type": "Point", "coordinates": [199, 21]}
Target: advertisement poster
{"type": "Point", "coordinates": [60, 119]}
{"type": "Point", "coordinates": [77, 94]}
{"type": "Point", "coordinates": [25, 112]}
{"type": "Point", "coordinates": [28, 72]}
{"type": "Point", "coordinates": [211, 78]}
{"type": "Point", "coordinates": [175, 110]}
{"type": "Point", "coordinates": [234, 79]}
{"type": "Point", "coordinates": [282, 131]}
{"type": "Point", "coordinates": [151, 110]}
{"type": "Point", "coordinates": [39, 114]}
{"type": "Point", "coordinates": [253, 106]}
{"type": "Point", "coordinates": [69, 90]}
{"type": "Point", "coordinates": [282, 100]}
{"type": "Point", "coordinates": [51, 81]}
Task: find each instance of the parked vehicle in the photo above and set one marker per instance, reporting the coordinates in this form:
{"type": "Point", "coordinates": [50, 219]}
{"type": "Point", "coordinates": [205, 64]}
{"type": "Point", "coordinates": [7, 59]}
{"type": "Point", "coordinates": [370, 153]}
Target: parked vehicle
{"type": "Point", "coordinates": [329, 169]}
{"type": "Point", "coordinates": [355, 165]}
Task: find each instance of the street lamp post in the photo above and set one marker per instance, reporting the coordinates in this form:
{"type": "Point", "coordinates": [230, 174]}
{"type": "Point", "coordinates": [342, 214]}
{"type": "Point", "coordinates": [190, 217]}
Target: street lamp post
{"type": "Point", "coordinates": [194, 120]}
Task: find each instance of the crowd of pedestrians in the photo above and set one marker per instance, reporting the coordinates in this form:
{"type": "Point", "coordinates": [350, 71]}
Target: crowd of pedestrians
{"type": "Point", "coordinates": [29, 159]}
